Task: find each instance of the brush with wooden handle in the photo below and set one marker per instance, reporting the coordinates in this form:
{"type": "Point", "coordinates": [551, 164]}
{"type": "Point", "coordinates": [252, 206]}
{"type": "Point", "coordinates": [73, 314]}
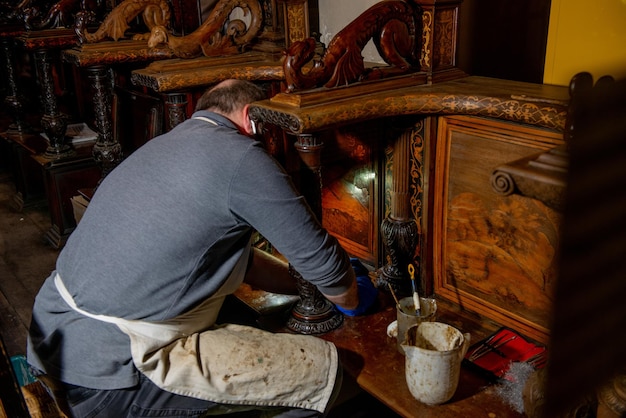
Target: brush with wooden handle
{"type": "Point", "coordinates": [416, 297]}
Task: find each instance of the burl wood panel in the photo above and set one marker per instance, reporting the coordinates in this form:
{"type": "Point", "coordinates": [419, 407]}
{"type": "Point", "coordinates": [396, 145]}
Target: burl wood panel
{"type": "Point", "coordinates": [495, 254]}
{"type": "Point", "coordinates": [351, 201]}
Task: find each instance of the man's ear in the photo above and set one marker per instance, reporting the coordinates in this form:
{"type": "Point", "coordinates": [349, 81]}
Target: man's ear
{"type": "Point", "coordinates": [247, 124]}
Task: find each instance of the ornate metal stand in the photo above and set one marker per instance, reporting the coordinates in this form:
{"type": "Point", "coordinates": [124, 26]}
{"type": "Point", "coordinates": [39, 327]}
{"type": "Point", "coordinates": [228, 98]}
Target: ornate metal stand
{"type": "Point", "coordinates": [313, 314]}
{"type": "Point", "coordinates": [399, 230]}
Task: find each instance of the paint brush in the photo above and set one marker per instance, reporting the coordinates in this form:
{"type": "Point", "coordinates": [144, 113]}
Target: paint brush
{"type": "Point", "coordinates": [394, 296]}
{"type": "Point", "coordinates": [416, 298]}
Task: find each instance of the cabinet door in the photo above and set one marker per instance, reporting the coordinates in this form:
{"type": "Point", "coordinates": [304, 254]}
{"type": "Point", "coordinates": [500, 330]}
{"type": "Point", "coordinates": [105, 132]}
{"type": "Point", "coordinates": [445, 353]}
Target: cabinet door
{"type": "Point", "coordinates": [493, 254]}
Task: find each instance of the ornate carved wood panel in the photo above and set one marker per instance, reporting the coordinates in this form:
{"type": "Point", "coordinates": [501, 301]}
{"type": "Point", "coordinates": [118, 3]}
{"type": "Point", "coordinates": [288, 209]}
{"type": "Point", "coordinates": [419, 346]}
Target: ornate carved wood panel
{"type": "Point", "coordinates": [492, 254]}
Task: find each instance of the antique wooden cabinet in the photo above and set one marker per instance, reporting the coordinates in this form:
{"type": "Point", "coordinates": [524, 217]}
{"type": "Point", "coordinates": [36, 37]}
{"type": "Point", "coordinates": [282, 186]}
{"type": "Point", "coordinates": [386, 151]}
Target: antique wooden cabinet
{"type": "Point", "coordinates": [437, 149]}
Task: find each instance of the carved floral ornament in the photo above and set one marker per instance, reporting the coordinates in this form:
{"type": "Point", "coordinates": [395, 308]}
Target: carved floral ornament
{"type": "Point", "coordinates": [218, 35]}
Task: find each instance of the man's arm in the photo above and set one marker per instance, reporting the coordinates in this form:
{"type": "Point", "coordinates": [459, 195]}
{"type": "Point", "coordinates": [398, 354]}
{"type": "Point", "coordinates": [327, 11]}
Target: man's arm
{"type": "Point", "coordinates": [271, 274]}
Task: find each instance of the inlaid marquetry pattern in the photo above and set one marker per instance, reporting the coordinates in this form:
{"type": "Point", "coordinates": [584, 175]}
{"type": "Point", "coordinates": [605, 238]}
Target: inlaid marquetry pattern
{"type": "Point", "coordinates": [444, 42]}
{"type": "Point", "coordinates": [416, 172]}
{"type": "Point", "coordinates": [416, 177]}
{"type": "Point", "coordinates": [297, 23]}
{"type": "Point", "coordinates": [427, 33]}
{"type": "Point", "coordinates": [371, 107]}
{"type": "Point", "coordinates": [176, 81]}
{"type": "Point", "coordinates": [388, 176]}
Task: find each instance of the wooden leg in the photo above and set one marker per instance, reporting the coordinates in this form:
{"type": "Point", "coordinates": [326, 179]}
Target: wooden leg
{"type": "Point", "coordinates": [54, 124]}
{"type": "Point", "coordinates": [106, 151]}
{"type": "Point", "coordinates": [313, 314]}
{"type": "Point", "coordinates": [13, 99]}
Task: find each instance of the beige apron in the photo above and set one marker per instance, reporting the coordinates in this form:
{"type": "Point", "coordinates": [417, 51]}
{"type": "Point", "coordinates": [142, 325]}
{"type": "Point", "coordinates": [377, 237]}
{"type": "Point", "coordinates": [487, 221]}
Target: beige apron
{"type": "Point", "coordinates": [229, 364]}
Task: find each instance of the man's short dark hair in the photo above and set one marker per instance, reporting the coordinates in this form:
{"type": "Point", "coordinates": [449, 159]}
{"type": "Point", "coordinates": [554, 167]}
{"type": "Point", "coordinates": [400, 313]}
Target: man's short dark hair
{"type": "Point", "coordinates": [230, 95]}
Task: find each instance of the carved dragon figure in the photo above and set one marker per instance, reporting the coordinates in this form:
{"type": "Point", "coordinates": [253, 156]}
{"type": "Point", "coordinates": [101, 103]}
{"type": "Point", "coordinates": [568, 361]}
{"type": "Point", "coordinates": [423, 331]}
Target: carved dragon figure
{"type": "Point", "coordinates": [392, 25]}
{"type": "Point", "coordinates": [115, 25]}
{"type": "Point", "coordinates": [217, 35]}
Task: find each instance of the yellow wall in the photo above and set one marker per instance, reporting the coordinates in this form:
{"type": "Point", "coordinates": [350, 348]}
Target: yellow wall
{"type": "Point", "coordinates": [585, 36]}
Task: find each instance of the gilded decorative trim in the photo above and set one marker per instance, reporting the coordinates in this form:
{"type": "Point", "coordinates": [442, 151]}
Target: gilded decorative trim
{"type": "Point", "coordinates": [406, 102]}
{"type": "Point", "coordinates": [416, 172]}
{"type": "Point", "coordinates": [427, 31]}
{"type": "Point", "coordinates": [285, 121]}
{"type": "Point", "coordinates": [296, 23]}
{"type": "Point", "coordinates": [445, 39]}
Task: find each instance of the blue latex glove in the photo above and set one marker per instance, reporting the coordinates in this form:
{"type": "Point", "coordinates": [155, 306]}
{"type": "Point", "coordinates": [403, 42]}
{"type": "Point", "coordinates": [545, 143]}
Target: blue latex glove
{"type": "Point", "coordinates": [367, 291]}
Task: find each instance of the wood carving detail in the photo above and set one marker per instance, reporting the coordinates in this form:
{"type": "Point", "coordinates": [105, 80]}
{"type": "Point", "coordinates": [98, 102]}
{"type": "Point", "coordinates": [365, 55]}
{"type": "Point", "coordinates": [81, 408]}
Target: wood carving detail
{"type": "Point", "coordinates": [427, 33]}
{"type": "Point", "coordinates": [443, 44]}
{"type": "Point", "coordinates": [60, 15]}
{"type": "Point", "coordinates": [117, 22]}
{"type": "Point", "coordinates": [391, 24]}
{"type": "Point", "coordinates": [545, 115]}
{"type": "Point", "coordinates": [296, 20]}
{"type": "Point", "coordinates": [218, 35]}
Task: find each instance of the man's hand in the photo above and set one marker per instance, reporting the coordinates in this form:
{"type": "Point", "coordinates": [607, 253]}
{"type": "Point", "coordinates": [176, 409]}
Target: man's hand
{"type": "Point", "coordinates": [366, 290]}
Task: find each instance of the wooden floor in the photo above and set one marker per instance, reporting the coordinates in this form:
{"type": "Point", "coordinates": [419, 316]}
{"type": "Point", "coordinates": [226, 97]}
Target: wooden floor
{"type": "Point", "coordinates": [25, 262]}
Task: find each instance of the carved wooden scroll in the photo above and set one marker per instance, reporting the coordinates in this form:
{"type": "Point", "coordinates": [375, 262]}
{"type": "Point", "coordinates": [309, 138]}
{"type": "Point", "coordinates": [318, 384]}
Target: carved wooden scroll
{"type": "Point", "coordinates": [218, 35]}
{"type": "Point", "coordinates": [117, 22]}
{"type": "Point", "coordinates": [391, 24]}
{"type": "Point", "coordinates": [61, 14]}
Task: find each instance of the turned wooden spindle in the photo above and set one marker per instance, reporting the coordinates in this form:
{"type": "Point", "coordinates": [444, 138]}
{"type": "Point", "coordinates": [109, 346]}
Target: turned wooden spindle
{"type": "Point", "coordinates": [399, 230]}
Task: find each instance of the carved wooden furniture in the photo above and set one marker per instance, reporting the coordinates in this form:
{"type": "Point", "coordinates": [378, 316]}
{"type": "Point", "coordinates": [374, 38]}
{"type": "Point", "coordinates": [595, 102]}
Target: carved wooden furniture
{"type": "Point", "coordinates": [97, 60]}
{"type": "Point", "coordinates": [176, 81]}
{"type": "Point", "coordinates": [62, 178]}
{"type": "Point", "coordinates": [44, 45]}
{"type": "Point", "coordinates": [19, 136]}
{"type": "Point", "coordinates": [415, 39]}
{"type": "Point", "coordinates": [13, 101]}
{"type": "Point", "coordinates": [29, 184]}
{"type": "Point", "coordinates": [536, 112]}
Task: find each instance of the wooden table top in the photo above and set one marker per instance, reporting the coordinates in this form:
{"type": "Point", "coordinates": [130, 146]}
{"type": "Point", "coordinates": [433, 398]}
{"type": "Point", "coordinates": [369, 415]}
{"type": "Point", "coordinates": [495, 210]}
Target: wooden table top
{"type": "Point", "coordinates": [48, 39]}
{"type": "Point", "coordinates": [183, 74]}
{"type": "Point", "coordinates": [318, 109]}
{"type": "Point", "coordinates": [114, 52]}
{"type": "Point", "coordinates": [371, 357]}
